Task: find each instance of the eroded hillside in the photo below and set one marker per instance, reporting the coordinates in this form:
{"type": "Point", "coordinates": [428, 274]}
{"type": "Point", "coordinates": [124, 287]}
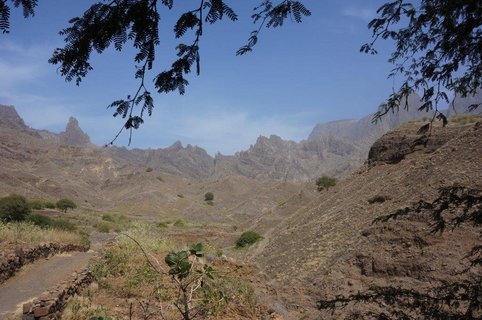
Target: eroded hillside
{"type": "Point", "coordinates": [331, 247]}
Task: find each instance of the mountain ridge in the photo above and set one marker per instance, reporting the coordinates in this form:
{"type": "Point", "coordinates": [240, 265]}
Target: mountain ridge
{"type": "Point", "coordinates": [335, 148]}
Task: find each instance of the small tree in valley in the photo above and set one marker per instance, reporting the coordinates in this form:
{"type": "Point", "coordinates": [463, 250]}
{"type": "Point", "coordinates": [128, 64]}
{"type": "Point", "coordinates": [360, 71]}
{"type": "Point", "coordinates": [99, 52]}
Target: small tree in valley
{"type": "Point", "coordinates": [324, 182]}
{"type": "Point", "coordinates": [65, 204]}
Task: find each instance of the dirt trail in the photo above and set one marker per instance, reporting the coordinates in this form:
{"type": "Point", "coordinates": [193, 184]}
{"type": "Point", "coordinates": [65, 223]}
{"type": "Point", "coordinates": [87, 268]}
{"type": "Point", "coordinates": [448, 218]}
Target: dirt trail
{"type": "Point", "coordinates": [44, 274]}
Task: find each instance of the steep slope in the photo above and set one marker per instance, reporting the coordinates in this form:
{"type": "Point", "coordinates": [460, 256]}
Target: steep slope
{"type": "Point", "coordinates": [190, 161]}
{"type": "Point", "coordinates": [331, 248]}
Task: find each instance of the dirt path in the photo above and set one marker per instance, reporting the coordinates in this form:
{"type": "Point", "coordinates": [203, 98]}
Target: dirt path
{"type": "Point", "coordinates": [44, 274]}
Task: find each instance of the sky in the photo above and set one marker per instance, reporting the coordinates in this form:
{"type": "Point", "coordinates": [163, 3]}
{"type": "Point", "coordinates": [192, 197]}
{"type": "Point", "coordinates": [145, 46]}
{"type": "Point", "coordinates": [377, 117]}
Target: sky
{"type": "Point", "coordinates": [297, 76]}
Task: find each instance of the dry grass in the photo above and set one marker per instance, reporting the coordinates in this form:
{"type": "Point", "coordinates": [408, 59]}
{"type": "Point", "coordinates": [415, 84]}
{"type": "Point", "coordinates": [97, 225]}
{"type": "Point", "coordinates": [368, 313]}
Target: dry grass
{"type": "Point", "coordinates": [26, 233]}
{"type": "Point", "coordinates": [81, 308]}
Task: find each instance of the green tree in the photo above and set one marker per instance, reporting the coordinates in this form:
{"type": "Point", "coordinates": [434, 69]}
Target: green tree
{"type": "Point", "coordinates": [438, 48]}
{"type": "Point", "coordinates": [324, 182]}
{"type": "Point", "coordinates": [248, 238]}
{"type": "Point", "coordinates": [208, 196]}
{"type": "Point", "coordinates": [14, 208]}
{"type": "Point", "coordinates": [65, 204]}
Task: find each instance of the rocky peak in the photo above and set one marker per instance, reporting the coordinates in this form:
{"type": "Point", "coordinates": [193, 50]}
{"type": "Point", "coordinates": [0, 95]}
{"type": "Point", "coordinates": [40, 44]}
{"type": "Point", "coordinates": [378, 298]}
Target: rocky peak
{"type": "Point", "coordinates": [73, 134]}
{"type": "Point", "coordinates": [10, 118]}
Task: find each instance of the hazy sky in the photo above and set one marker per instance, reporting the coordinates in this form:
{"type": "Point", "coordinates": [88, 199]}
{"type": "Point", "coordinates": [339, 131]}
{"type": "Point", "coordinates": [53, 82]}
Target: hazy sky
{"type": "Point", "coordinates": [297, 76]}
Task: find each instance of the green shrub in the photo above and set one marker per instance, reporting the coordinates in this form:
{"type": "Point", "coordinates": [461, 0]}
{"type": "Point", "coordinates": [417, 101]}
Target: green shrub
{"type": "Point", "coordinates": [39, 204]}
{"type": "Point", "coordinates": [14, 208]}
{"type": "Point", "coordinates": [149, 169]}
{"type": "Point", "coordinates": [47, 222]}
{"type": "Point", "coordinates": [108, 217]}
{"type": "Point", "coordinates": [180, 195]}
{"type": "Point", "coordinates": [39, 220]}
{"type": "Point", "coordinates": [63, 224]}
{"type": "Point", "coordinates": [180, 223]}
{"type": "Point", "coordinates": [248, 238]}
{"type": "Point", "coordinates": [103, 227]}
{"type": "Point", "coordinates": [50, 205]}
{"type": "Point", "coordinates": [324, 182]}
{"type": "Point", "coordinates": [162, 225]}
{"type": "Point", "coordinates": [65, 204]}
{"type": "Point", "coordinates": [36, 204]}
{"type": "Point", "coordinates": [208, 196]}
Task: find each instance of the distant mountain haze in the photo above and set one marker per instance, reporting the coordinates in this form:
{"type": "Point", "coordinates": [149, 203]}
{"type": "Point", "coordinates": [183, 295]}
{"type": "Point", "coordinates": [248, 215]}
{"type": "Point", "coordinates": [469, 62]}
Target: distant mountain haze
{"type": "Point", "coordinates": [334, 148]}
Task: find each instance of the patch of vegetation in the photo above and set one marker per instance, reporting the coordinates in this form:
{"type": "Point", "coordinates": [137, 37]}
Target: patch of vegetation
{"type": "Point", "coordinates": [325, 182]}
{"type": "Point", "coordinates": [107, 217]}
{"type": "Point", "coordinates": [14, 208]}
{"type": "Point", "coordinates": [103, 227]}
{"type": "Point", "coordinates": [208, 196]}
{"type": "Point", "coordinates": [160, 178]}
{"type": "Point", "coordinates": [162, 225]}
{"type": "Point", "coordinates": [65, 204]}
{"type": "Point", "coordinates": [39, 204]}
{"type": "Point", "coordinates": [48, 222]}
{"type": "Point", "coordinates": [28, 233]}
{"type": "Point", "coordinates": [149, 169]}
{"type": "Point", "coordinates": [180, 195]}
{"type": "Point", "coordinates": [219, 293]}
{"type": "Point", "coordinates": [248, 238]}
{"type": "Point", "coordinates": [180, 223]}
{"type": "Point", "coordinates": [80, 308]}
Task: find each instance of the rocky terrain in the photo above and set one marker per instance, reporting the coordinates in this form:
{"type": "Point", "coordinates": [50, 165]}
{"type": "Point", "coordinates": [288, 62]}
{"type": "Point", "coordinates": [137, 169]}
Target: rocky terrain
{"type": "Point", "coordinates": [344, 252]}
{"type": "Point", "coordinates": [331, 248]}
{"type": "Point", "coordinates": [334, 148]}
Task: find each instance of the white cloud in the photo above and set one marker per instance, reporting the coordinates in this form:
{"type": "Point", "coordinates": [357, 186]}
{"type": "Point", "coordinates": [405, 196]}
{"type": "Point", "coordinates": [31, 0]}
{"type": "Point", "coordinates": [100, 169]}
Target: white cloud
{"type": "Point", "coordinates": [229, 132]}
{"type": "Point", "coordinates": [20, 64]}
{"type": "Point", "coordinates": [365, 14]}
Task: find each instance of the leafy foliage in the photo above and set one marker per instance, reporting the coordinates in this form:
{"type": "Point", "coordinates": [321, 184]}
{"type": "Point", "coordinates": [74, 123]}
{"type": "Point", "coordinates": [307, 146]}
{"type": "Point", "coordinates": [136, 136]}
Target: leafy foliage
{"type": "Point", "coordinates": [188, 273]}
{"type": "Point", "coordinates": [437, 49]}
{"type": "Point", "coordinates": [248, 238]}
{"type": "Point", "coordinates": [14, 208]}
{"type": "Point", "coordinates": [324, 182]}
{"type": "Point", "coordinates": [28, 10]}
{"type": "Point", "coordinates": [270, 15]}
{"type": "Point", "coordinates": [459, 299]}
{"type": "Point", "coordinates": [208, 196]}
{"type": "Point", "coordinates": [65, 204]}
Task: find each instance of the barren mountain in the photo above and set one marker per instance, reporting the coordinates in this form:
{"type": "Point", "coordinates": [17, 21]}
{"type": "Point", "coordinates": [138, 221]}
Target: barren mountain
{"type": "Point", "coordinates": [330, 247]}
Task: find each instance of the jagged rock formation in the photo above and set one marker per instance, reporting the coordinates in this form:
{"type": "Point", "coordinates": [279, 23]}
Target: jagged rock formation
{"type": "Point", "coordinates": [10, 118]}
{"type": "Point", "coordinates": [335, 148]}
{"type": "Point", "coordinates": [73, 134]}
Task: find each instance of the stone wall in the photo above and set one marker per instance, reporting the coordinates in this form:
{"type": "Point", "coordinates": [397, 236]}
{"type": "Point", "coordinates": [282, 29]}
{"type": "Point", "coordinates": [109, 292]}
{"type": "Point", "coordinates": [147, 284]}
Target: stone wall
{"type": "Point", "coordinates": [51, 303]}
{"type": "Point", "coordinates": [13, 261]}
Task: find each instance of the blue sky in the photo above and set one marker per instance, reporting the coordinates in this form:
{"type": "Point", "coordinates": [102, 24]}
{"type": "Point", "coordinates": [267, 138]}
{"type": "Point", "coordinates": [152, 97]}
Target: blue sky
{"type": "Point", "coordinates": [297, 76]}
